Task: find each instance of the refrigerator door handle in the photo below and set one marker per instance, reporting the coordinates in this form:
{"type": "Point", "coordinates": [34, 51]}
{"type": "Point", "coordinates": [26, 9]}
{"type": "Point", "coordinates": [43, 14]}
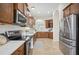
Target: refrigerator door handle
{"type": "Point", "coordinates": [68, 25]}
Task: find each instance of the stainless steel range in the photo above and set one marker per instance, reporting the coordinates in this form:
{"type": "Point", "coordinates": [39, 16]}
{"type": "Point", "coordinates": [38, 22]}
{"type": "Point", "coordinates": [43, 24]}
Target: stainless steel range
{"type": "Point", "coordinates": [68, 36]}
{"type": "Point", "coordinates": [18, 35]}
{"type": "Point", "coordinates": [14, 35]}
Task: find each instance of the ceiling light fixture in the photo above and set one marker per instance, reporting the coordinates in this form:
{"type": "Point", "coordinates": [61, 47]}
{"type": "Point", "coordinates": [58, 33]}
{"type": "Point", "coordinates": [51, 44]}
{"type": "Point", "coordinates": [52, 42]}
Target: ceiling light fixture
{"type": "Point", "coordinates": [48, 12]}
{"type": "Point", "coordinates": [32, 8]}
{"type": "Point", "coordinates": [39, 12]}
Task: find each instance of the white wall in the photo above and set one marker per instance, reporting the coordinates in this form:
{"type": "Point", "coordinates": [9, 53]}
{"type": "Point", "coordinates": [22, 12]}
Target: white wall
{"type": "Point", "coordinates": [57, 16]}
{"type": "Point", "coordinates": [39, 24]}
{"type": "Point", "coordinates": [56, 25]}
{"type": "Point", "coordinates": [8, 27]}
{"type": "Point", "coordinates": [61, 7]}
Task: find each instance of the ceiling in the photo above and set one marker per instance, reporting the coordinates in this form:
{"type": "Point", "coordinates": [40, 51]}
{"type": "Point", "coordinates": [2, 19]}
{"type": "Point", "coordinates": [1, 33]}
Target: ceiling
{"type": "Point", "coordinates": [42, 10]}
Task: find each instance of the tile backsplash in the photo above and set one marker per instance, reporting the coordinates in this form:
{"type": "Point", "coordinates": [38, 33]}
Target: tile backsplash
{"type": "Point", "coordinates": [8, 27]}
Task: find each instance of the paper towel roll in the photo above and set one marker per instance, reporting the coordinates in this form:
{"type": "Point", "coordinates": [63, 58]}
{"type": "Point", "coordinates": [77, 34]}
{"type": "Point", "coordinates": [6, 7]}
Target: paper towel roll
{"type": "Point", "coordinates": [3, 39]}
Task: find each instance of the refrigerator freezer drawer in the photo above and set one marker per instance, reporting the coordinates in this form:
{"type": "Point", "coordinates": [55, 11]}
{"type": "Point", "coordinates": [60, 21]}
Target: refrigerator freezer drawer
{"type": "Point", "coordinates": [66, 49]}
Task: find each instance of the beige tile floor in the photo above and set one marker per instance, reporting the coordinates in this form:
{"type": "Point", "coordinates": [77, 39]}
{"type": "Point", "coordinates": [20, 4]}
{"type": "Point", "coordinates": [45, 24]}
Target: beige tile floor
{"type": "Point", "coordinates": [48, 47]}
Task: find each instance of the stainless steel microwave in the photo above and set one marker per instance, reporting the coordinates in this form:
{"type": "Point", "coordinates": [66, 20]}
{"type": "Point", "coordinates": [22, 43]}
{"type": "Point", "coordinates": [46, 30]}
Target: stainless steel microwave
{"type": "Point", "coordinates": [20, 19]}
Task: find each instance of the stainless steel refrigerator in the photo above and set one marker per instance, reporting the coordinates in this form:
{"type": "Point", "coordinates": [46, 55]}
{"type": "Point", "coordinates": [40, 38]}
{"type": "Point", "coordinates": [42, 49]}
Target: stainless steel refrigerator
{"type": "Point", "coordinates": [68, 35]}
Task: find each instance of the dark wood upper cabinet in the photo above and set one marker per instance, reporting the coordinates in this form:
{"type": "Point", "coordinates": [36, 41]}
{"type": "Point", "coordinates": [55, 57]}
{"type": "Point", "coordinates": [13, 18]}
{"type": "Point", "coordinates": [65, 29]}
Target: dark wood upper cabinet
{"type": "Point", "coordinates": [25, 8]}
{"type": "Point", "coordinates": [72, 8]}
{"type": "Point", "coordinates": [67, 11]}
{"type": "Point", "coordinates": [6, 13]}
{"type": "Point", "coordinates": [49, 23]}
{"type": "Point", "coordinates": [19, 6]}
{"type": "Point", "coordinates": [22, 7]}
{"type": "Point", "coordinates": [31, 21]}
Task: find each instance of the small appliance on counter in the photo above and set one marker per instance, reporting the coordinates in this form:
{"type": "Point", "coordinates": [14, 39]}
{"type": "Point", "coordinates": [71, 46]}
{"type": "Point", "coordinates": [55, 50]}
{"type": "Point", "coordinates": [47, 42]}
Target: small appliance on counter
{"type": "Point", "coordinates": [3, 39]}
{"type": "Point", "coordinates": [17, 35]}
{"type": "Point", "coordinates": [14, 35]}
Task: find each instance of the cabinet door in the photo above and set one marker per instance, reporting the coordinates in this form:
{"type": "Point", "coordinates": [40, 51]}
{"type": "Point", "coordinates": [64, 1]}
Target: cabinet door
{"type": "Point", "coordinates": [67, 11]}
{"type": "Point", "coordinates": [50, 35]}
{"type": "Point", "coordinates": [45, 34]}
{"type": "Point", "coordinates": [51, 23]}
{"type": "Point", "coordinates": [42, 34]}
{"type": "Point", "coordinates": [25, 9]}
{"type": "Point", "coordinates": [34, 38]}
{"type": "Point", "coordinates": [38, 35]}
{"type": "Point", "coordinates": [21, 7]}
{"type": "Point", "coordinates": [47, 23]}
{"type": "Point", "coordinates": [6, 13]}
{"type": "Point", "coordinates": [31, 21]}
{"type": "Point", "coordinates": [19, 51]}
{"type": "Point", "coordinates": [74, 8]}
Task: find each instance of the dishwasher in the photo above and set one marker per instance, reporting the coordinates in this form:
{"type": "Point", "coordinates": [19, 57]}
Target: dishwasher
{"type": "Point", "coordinates": [28, 45]}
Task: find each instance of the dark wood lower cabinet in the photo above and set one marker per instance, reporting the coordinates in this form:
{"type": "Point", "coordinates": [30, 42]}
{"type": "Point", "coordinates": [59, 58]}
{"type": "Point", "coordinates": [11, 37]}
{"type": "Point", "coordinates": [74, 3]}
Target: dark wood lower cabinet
{"type": "Point", "coordinates": [34, 38]}
{"type": "Point", "coordinates": [42, 34]}
{"type": "Point", "coordinates": [49, 23]}
{"type": "Point", "coordinates": [45, 35]}
{"type": "Point", "coordinates": [50, 35]}
{"type": "Point", "coordinates": [30, 51]}
{"type": "Point", "coordinates": [19, 51]}
{"type": "Point", "coordinates": [22, 50]}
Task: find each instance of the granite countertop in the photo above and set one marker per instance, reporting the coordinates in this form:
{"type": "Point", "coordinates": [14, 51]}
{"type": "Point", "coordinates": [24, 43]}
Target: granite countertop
{"type": "Point", "coordinates": [45, 30]}
{"type": "Point", "coordinates": [28, 34]}
{"type": "Point", "coordinates": [10, 47]}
